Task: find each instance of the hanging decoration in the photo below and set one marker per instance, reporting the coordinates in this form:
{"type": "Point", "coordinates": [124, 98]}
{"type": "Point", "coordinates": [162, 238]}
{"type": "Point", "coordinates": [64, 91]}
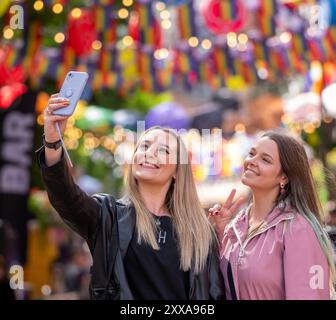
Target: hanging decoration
{"type": "Point", "coordinates": [266, 17]}
{"type": "Point", "coordinates": [186, 21]}
{"type": "Point", "coordinates": [139, 56]}
{"type": "Point", "coordinates": [223, 16]}
{"type": "Point", "coordinates": [82, 32]}
{"type": "Point", "coordinates": [143, 26]}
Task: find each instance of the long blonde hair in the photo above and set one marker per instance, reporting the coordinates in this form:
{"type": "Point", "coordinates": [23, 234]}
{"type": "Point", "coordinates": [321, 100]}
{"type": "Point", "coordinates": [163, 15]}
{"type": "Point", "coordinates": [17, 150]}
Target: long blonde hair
{"type": "Point", "coordinates": [194, 233]}
{"type": "Point", "coordinates": [301, 192]}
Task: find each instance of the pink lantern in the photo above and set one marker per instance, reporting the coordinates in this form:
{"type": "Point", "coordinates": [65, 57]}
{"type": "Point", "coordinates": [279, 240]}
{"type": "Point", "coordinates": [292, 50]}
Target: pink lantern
{"type": "Point", "coordinates": [212, 12]}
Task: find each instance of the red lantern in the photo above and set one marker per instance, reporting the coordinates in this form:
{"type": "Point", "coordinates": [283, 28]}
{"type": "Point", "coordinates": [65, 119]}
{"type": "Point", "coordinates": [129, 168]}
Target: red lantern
{"type": "Point", "coordinates": [212, 13]}
{"type": "Point", "coordinates": [82, 32]}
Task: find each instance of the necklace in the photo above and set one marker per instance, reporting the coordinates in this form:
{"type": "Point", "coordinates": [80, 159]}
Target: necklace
{"type": "Point", "coordinates": [158, 221]}
{"type": "Point", "coordinates": [252, 231]}
{"type": "Point", "coordinates": [162, 234]}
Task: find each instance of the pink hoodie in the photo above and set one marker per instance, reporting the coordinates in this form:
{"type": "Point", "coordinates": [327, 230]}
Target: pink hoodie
{"type": "Point", "coordinates": [283, 260]}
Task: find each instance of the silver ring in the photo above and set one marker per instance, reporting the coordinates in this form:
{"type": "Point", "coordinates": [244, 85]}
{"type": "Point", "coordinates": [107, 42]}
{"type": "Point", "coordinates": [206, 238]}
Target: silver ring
{"type": "Point", "coordinates": [48, 110]}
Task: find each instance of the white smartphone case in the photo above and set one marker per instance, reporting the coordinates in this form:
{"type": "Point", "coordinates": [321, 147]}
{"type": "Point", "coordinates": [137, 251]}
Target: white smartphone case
{"type": "Point", "coordinates": [72, 89]}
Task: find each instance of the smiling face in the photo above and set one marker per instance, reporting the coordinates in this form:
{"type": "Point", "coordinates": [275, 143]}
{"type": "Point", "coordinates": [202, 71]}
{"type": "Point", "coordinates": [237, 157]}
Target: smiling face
{"type": "Point", "coordinates": [155, 159]}
{"type": "Point", "coordinates": [262, 167]}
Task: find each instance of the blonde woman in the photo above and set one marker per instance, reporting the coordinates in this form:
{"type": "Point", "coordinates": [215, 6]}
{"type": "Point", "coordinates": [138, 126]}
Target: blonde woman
{"type": "Point", "coordinates": [157, 242]}
{"type": "Point", "coordinates": [276, 248]}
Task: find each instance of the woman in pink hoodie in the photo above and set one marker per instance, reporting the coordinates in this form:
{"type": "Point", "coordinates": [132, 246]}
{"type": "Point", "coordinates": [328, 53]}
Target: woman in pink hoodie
{"type": "Point", "coordinates": [276, 248]}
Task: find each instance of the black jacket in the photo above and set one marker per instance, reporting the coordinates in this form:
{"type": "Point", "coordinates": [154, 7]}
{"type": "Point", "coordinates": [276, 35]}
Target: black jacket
{"type": "Point", "coordinates": [93, 218]}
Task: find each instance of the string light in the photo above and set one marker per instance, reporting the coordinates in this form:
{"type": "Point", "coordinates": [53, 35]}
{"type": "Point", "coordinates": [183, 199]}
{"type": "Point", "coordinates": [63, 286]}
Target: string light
{"type": "Point", "coordinates": [8, 33]}
{"type": "Point", "coordinates": [193, 42]}
{"type": "Point", "coordinates": [57, 8]}
{"type": "Point", "coordinates": [285, 37]}
{"type": "Point", "coordinates": [165, 14]}
{"type": "Point", "coordinates": [160, 6]}
{"type": "Point", "coordinates": [160, 54]}
{"type": "Point", "coordinates": [97, 45]}
{"type": "Point", "coordinates": [231, 39]}
{"type": "Point", "coordinates": [127, 41]}
{"type": "Point", "coordinates": [242, 38]}
{"type": "Point", "coordinates": [59, 37]}
{"type": "Point", "coordinates": [38, 5]}
{"type": "Point", "coordinates": [76, 13]}
{"type": "Point", "coordinates": [206, 44]}
{"type": "Point", "coordinates": [127, 3]}
{"type": "Point", "coordinates": [166, 24]}
{"type": "Point", "coordinates": [123, 13]}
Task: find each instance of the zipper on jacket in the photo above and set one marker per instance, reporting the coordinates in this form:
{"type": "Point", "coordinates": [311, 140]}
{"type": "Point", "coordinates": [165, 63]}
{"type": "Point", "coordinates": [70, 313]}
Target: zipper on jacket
{"type": "Point", "coordinates": [242, 245]}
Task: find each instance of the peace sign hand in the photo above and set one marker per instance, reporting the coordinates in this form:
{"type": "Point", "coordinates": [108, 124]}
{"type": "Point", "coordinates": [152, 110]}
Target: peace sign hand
{"type": "Point", "coordinates": [220, 215]}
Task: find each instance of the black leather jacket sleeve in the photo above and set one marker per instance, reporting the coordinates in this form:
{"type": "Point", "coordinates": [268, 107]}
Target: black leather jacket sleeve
{"type": "Point", "coordinates": [78, 210]}
{"type": "Point", "coordinates": [217, 287]}
{"type": "Point", "coordinates": [209, 284]}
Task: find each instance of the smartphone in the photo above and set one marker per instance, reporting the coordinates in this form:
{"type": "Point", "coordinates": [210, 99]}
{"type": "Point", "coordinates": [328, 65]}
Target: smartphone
{"type": "Point", "coordinates": [72, 89]}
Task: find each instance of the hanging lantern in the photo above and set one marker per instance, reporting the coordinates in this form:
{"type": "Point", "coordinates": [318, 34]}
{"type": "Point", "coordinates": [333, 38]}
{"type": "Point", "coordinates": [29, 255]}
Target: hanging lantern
{"type": "Point", "coordinates": [223, 16]}
{"type": "Point", "coordinates": [82, 32]}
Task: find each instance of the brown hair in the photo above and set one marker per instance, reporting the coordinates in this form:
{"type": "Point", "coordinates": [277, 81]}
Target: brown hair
{"type": "Point", "coordinates": [300, 190]}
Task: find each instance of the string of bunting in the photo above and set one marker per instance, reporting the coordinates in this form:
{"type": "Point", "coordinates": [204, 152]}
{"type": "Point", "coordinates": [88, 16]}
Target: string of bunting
{"type": "Point", "coordinates": [137, 65]}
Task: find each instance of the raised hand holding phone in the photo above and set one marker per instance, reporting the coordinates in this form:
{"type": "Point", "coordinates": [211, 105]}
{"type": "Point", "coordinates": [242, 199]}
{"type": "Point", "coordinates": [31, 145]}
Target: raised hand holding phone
{"type": "Point", "coordinates": [60, 107]}
{"type": "Point", "coordinates": [72, 89]}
